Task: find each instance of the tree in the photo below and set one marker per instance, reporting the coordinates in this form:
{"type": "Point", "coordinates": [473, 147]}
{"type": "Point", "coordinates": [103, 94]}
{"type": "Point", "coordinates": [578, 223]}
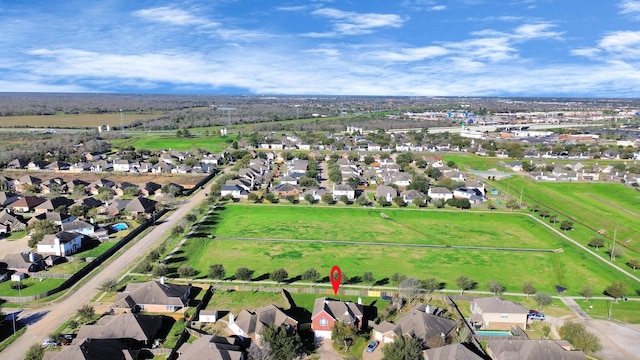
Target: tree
{"type": "Point", "coordinates": [253, 197]}
{"type": "Point", "coordinates": [616, 290]}
{"type": "Point", "coordinates": [383, 202]}
{"type": "Point", "coordinates": [310, 199]}
{"type": "Point", "coordinates": [566, 225]}
{"type": "Point", "coordinates": [410, 288]}
{"type": "Point", "coordinates": [283, 343]}
{"type": "Point", "coordinates": [614, 252]}
{"type": "Point", "coordinates": [271, 197]}
{"type": "Point", "coordinates": [544, 213]}
{"type": "Point", "coordinates": [186, 271]}
{"type": "Point", "coordinates": [397, 278]}
{"type": "Point", "coordinates": [419, 202]}
{"type": "Point", "coordinates": [495, 287]}
{"type": "Point", "coordinates": [368, 278]}
{"type": "Point", "coordinates": [430, 284]}
{"type": "Point", "coordinates": [553, 219]}
{"type": "Point", "coordinates": [399, 200]}
{"type": "Point", "coordinates": [177, 230]}
{"type": "Point", "coordinates": [596, 242]}
{"type": "Point", "coordinates": [342, 334]}
{"type": "Point", "coordinates": [279, 275]}
{"type": "Point", "coordinates": [512, 204]}
{"type": "Point", "coordinates": [363, 200]}
{"type": "Point", "coordinates": [311, 275]}
{"type": "Point", "coordinates": [327, 199]}
{"type": "Point", "coordinates": [543, 299]}
{"type": "Point", "coordinates": [490, 204]}
{"type": "Point", "coordinates": [39, 229]}
{"type": "Point", "coordinates": [546, 330]}
{"type": "Point", "coordinates": [78, 210]}
{"type": "Point", "coordinates": [587, 292]}
{"type": "Point", "coordinates": [403, 348]}
{"type": "Point", "coordinates": [86, 312]}
{"type": "Point", "coordinates": [35, 352]}
{"type": "Point", "coordinates": [578, 336]}
{"type": "Point", "coordinates": [244, 274]}
{"type": "Point", "coordinates": [345, 199]}
{"type": "Point", "coordinates": [109, 285]}
{"type": "Point", "coordinates": [291, 199]}
{"type": "Point", "coordinates": [465, 283]}
{"type": "Point", "coordinates": [634, 263]}
{"type": "Point", "coordinates": [528, 289]}
{"type": "Point", "coordinates": [217, 271]}
{"type": "Point", "coordinates": [159, 270]}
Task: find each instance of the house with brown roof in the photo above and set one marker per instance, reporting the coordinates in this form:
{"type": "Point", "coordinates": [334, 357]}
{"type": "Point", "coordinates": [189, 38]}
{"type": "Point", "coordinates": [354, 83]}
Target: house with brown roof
{"type": "Point", "coordinates": [326, 312]}
{"type": "Point", "coordinates": [457, 351]}
{"type": "Point", "coordinates": [133, 329]}
{"type": "Point", "coordinates": [152, 296]}
{"type": "Point", "coordinates": [420, 323]}
{"type": "Point", "coordinates": [211, 347]}
{"type": "Point", "coordinates": [13, 222]}
{"type": "Point", "coordinates": [52, 204]}
{"type": "Point", "coordinates": [532, 350]}
{"type": "Point", "coordinates": [494, 313]}
{"type": "Point", "coordinates": [19, 184]}
{"type": "Point", "coordinates": [23, 262]}
{"type": "Point", "coordinates": [249, 324]}
{"type": "Point", "coordinates": [26, 204]}
{"type": "Point", "coordinates": [7, 197]}
{"type": "Point", "coordinates": [141, 205]}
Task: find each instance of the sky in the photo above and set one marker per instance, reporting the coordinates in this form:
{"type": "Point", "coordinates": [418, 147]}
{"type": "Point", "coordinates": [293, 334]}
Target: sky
{"type": "Point", "coordinates": [548, 48]}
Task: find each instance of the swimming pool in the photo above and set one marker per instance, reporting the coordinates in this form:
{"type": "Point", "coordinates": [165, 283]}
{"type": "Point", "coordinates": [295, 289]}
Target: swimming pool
{"type": "Point", "coordinates": [493, 333]}
{"type": "Point", "coordinates": [119, 227]}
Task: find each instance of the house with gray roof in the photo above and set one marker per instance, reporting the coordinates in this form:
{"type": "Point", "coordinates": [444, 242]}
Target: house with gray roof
{"type": "Point", "coordinates": [94, 349]}
{"type": "Point", "coordinates": [152, 296]}
{"type": "Point", "coordinates": [211, 347]}
{"type": "Point", "coordinates": [457, 351]}
{"type": "Point", "coordinates": [420, 323]}
{"type": "Point", "coordinates": [437, 193]}
{"type": "Point", "coordinates": [63, 243]}
{"type": "Point", "coordinates": [386, 192]}
{"type": "Point", "coordinates": [494, 313]}
{"type": "Point", "coordinates": [78, 226]}
{"type": "Point", "coordinates": [133, 329]}
{"type": "Point", "coordinates": [141, 205]}
{"type": "Point", "coordinates": [249, 324]}
{"type": "Point", "coordinates": [532, 350]}
{"type": "Point", "coordinates": [7, 197]}
{"type": "Point", "coordinates": [326, 312]}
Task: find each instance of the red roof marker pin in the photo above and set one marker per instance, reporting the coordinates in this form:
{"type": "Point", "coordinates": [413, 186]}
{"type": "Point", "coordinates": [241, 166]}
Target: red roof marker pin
{"type": "Point", "coordinates": [336, 278]}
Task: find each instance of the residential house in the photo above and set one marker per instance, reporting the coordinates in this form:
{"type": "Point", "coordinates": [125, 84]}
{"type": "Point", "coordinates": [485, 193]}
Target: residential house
{"type": "Point", "coordinates": [162, 168]}
{"type": "Point", "coordinates": [78, 226]}
{"type": "Point", "coordinates": [21, 184]}
{"type": "Point", "coordinates": [7, 197]}
{"type": "Point", "coordinates": [101, 165]}
{"type": "Point", "coordinates": [58, 166]}
{"type": "Point", "coordinates": [343, 190]}
{"type": "Point", "coordinates": [76, 184]}
{"type": "Point", "coordinates": [458, 351]}
{"type": "Point", "coordinates": [26, 204]}
{"type": "Point", "coordinates": [494, 313]}
{"type": "Point", "coordinates": [132, 329]}
{"type": "Point", "coordinates": [122, 187]}
{"type": "Point", "coordinates": [113, 208]}
{"type": "Point", "coordinates": [249, 324]}
{"type": "Point", "coordinates": [152, 296]}
{"type": "Point", "coordinates": [420, 323]}
{"type": "Point", "coordinates": [149, 188]}
{"type": "Point", "coordinates": [532, 350]}
{"type": "Point", "coordinates": [288, 180]}
{"type": "Point", "coordinates": [17, 164]}
{"type": "Point", "coordinates": [474, 195]}
{"type": "Point", "coordinates": [13, 223]}
{"type": "Point", "coordinates": [326, 312]}
{"type": "Point", "coordinates": [52, 204]}
{"type": "Point", "coordinates": [36, 165]}
{"type": "Point", "coordinates": [80, 166]}
{"type": "Point", "coordinates": [440, 193]}
{"type": "Point", "coordinates": [63, 243]}
{"type": "Point", "coordinates": [94, 349]}
{"type": "Point", "coordinates": [53, 216]}
{"type": "Point", "coordinates": [283, 190]}
{"type": "Point", "coordinates": [211, 347]}
{"type": "Point", "coordinates": [386, 192]}
{"type": "Point", "coordinates": [141, 205]}
{"type": "Point", "coordinates": [408, 196]}
{"type": "Point", "coordinates": [515, 165]}
{"type": "Point", "coordinates": [400, 179]}
{"type": "Point", "coordinates": [94, 187]}
{"type": "Point", "coordinates": [233, 190]}
{"type": "Point", "coordinates": [24, 262]}
{"type": "Point", "coordinates": [121, 165]}
{"type": "Point", "coordinates": [316, 193]}
{"type": "Point", "coordinates": [54, 185]}
{"type": "Point", "coordinates": [89, 202]}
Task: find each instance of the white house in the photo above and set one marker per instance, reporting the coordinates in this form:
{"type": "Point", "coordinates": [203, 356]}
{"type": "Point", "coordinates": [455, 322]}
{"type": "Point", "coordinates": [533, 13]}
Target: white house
{"type": "Point", "coordinates": [440, 193]}
{"type": "Point", "coordinates": [79, 227]}
{"type": "Point", "coordinates": [121, 165]}
{"type": "Point", "coordinates": [343, 190]}
{"type": "Point", "coordinates": [62, 244]}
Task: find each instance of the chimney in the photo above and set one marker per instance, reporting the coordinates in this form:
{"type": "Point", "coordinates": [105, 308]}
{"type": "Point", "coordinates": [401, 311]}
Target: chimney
{"type": "Point", "coordinates": [32, 257]}
{"type": "Point", "coordinates": [162, 280]}
{"type": "Point", "coordinates": [427, 309]}
{"type": "Point", "coordinates": [359, 300]}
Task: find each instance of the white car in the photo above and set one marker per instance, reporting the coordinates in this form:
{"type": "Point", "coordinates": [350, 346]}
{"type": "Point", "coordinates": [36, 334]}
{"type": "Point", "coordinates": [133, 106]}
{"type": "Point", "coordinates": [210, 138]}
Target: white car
{"type": "Point", "coordinates": [48, 342]}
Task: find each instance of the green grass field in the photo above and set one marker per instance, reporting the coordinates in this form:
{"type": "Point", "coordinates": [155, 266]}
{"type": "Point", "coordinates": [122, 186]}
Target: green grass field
{"type": "Point", "coordinates": [75, 120]}
{"type": "Point", "coordinates": [570, 268]}
{"type": "Point", "coordinates": [598, 205]}
{"type": "Point", "coordinates": [626, 311]}
{"type": "Point", "coordinates": [159, 142]}
{"type": "Point", "coordinates": [34, 286]}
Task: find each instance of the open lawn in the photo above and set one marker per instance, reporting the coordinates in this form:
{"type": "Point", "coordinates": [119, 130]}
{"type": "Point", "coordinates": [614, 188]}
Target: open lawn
{"type": "Point", "coordinates": [74, 120]}
{"type": "Point", "coordinates": [159, 142]}
{"type": "Point", "coordinates": [234, 301]}
{"type": "Point", "coordinates": [545, 270]}
{"type": "Point", "coordinates": [34, 286]}
{"type": "Point", "coordinates": [367, 225]}
{"type": "Point", "coordinates": [601, 206]}
{"type": "Point", "coordinates": [627, 311]}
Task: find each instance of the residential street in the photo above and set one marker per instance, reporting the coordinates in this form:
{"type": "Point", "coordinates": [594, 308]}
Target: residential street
{"type": "Point", "coordinates": [43, 321]}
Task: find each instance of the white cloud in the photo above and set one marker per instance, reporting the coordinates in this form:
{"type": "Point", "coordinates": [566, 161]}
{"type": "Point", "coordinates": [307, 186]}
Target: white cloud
{"type": "Point", "coordinates": [630, 7]}
{"type": "Point", "coordinates": [438, 8]}
{"type": "Point", "coordinates": [173, 16]}
{"type": "Point", "coordinates": [586, 52]}
{"type": "Point", "coordinates": [622, 44]}
{"type": "Point", "coordinates": [536, 31]}
{"type": "Point", "coordinates": [410, 54]}
{"type": "Point", "coordinates": [352, 23]}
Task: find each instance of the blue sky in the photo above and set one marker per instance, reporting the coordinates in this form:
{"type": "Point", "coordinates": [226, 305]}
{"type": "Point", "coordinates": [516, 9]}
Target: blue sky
{"type": "Point", "coordinates": [377, 47]}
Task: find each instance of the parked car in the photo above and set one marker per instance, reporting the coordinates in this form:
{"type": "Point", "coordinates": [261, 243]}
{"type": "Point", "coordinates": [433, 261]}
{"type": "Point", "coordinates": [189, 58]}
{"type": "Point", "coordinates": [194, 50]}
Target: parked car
{"type": "Point", "coordinates": [48, 342]}
{"type": "Point", "coordinates": [537, 316]}
{"type": "Point", "coordinates": [372, 346]}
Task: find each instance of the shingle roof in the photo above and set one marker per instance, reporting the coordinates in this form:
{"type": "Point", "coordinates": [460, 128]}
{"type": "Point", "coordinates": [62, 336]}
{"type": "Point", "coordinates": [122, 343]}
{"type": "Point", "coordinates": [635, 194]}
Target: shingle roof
{"type": "Point", "coordinates": [498, 305]}
{"type": "Point", "coordinates": [256, 321]}
{"type": "Point", "coordinates": [124, 326]}
{"type": "Point", "coordinates": [452, 352]}
{"type": "Point", "coordinates": [211, 348]}
{"type": "Point", "coordinates": [346, 312]}
{"type": "Point", "coordinates": [153, 292]}
{"type": "Point", "coordinates": [531, 350]}
{"type": "Point", "coordinates": [94, 349]}
{"type": "Point", "coordinates": [418, 324]}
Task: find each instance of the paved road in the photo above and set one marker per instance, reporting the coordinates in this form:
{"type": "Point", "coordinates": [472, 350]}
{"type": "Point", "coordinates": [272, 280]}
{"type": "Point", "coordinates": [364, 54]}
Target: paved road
{"type": "Point", "coordinates": [42, 322]}
{"type": "Point", "coordinates": [14, 246]}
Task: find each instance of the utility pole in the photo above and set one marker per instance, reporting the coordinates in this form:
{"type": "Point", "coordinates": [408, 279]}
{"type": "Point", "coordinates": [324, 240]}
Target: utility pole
{"type": "Point", "coordinates": [121, 122]}
{"type": "Point", "coordinates": [228, 110]}
{"type": "Point", "coordinates": [613, 245]}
